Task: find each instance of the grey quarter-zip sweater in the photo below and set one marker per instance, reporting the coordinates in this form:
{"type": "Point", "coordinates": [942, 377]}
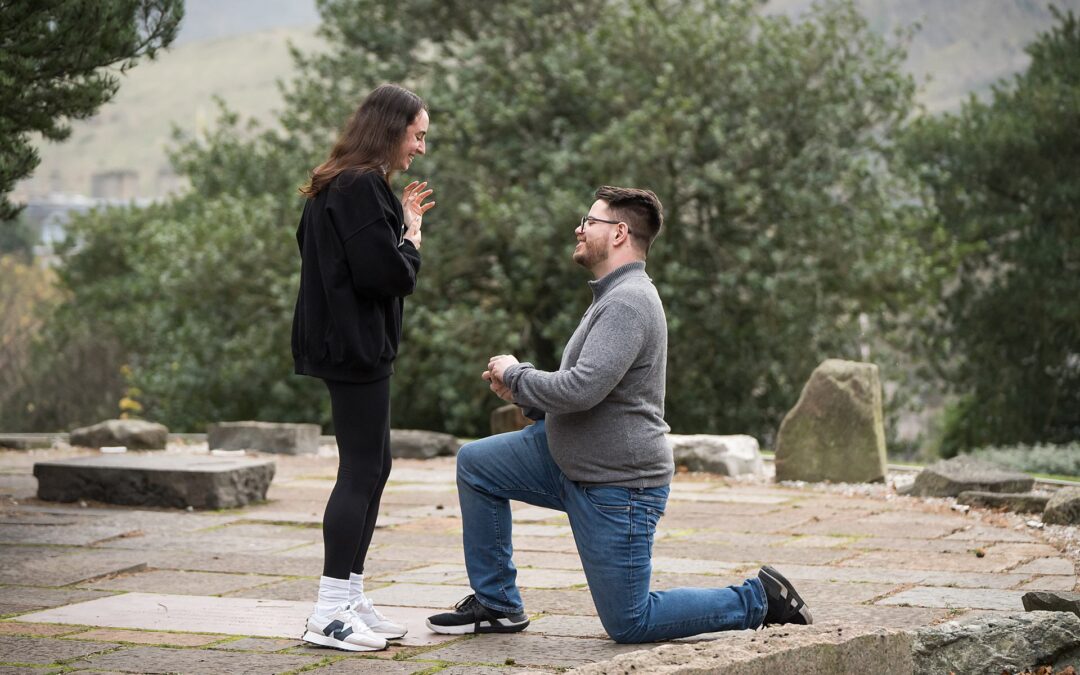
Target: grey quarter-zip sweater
{"type": "Point", "coordinates": [605, 405]}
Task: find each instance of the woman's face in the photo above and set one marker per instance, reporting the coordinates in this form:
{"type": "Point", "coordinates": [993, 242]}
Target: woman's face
{"type": "Point", "coordinates": [413, 143]}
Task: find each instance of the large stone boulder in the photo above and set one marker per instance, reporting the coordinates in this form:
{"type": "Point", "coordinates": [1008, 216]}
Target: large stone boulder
{"type": "Point", "coordinates": [1063, 508]}
{"type": "Point", "coordinates": [726, 455]}
{"type": "Point", "coordinates": [177, 481]}
{"type": "Point", "coordinates": [132, 434]}
{"type": "Point", "coordinates": [508, 418]}
{"type": "Point", "coordinates": [1051, 601]}
{"type": "Point", "coordinates": [950, 477]}
{"type": "Point", "coordinates": [1017, 502]}
{"type": "Point", "coordinates": [416, 444]}
{"type": "Point", "coordinates": [273, 437]}
{"type": "Point", "coordinates": [1001, 644]}
{"type": "Point", "coordinates": [835, 432]}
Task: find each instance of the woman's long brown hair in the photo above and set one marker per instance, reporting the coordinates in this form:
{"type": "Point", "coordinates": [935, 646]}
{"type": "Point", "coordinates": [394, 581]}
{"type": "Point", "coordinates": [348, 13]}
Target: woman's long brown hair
{"type": "Point", "coordinates": [371, 137]}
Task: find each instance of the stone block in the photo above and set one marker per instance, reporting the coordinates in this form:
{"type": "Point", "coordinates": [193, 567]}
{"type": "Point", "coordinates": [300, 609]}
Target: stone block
{"type": "Point", "coordinates": [417, 444]}
{"type": "Point", "coordinates": [29, 441]}
{"type": "Point", "coordinates": [272, 437]}
{"type": "Point", "coordinates": [1063, 508]}
{"type": "Point", "coordinates": [132, 434]}
{"type": "Point", "coordinates": [811, 650]}
{"type": "Point", "coordinates": [835, 432]}
{"type": "Point", "coordinates": [725, 455]}
{"type": "Point", "coordinates": [176, 481]}
{"type": "Point", "coordinates": [1017, 502]}
{"type": "Point", "coordinates": [950, 477]}
{"type": "Point", "coordinates": [1001, 644]}
{"type": "Point", "coordinates": [1042, 601]}
{"type": "Point", "coordinates": [508, 418]}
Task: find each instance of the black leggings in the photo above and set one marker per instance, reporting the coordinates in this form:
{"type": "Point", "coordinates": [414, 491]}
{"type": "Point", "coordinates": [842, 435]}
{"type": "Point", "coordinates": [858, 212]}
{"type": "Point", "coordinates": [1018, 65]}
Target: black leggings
{"type": "Point", "coordinates": [362, 425]}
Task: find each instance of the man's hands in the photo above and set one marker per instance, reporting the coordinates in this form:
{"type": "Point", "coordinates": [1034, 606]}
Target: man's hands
{"type": "Point", "coordinates": [497, 366]}
{"type": "Point", "coordinates": [414, 208]}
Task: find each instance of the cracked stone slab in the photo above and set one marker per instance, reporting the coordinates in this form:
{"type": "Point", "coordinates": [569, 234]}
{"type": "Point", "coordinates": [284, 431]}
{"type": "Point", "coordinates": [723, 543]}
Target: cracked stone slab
{"type": "Point", "coordinates": [529, 650]}
{"type": "Point", "coordinates": [195, 661]}
{"type": "Point", "coordinates": [1048, 566]}
{"type": "Point", "coordinates": [968, 598]}
{"type": "Point", "coordinates": [44, 651]}
{"type": "Point", "coordinates": [1050, 583]}
{"type": "Point", "coordinates": [34, 629]}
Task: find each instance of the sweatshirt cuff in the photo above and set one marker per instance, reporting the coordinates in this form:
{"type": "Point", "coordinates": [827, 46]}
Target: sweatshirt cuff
{"type": "Point", "coordinates": [511, 374]}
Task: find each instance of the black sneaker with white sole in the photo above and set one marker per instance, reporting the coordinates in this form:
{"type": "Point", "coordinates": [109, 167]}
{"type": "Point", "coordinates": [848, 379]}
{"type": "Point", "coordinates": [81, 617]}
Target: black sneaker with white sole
{"type": "Point", "coordinates": [785, 605]}
{"type": "Point", "coordinates": [469, 616]}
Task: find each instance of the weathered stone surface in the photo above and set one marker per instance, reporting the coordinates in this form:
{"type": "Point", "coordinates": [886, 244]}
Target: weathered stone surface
{"type": "Point", "coordinates": [181, 582]}
{"type": "Point", "coordinates": [950, 477]}
{"type": "Point", "coordinates": [726, 455]}
{"type": "Point", "coordinates": [813, 650]}
{"type": "Point", "coordinates": [132, 434]}
{"type": "Point", "coordinates": [173, 480]}
{"type": "Point", "coordinates": [147, 637]}
{"type": "Point", "coordinates": [963, 598]}
{"type": "Point", "coordinates": [45, 650]}
{"type": "Point", "coordinates": [417, 444]}
{"type": "Point", "coordinates": [1063, 508]}
{"type": "Point", "coordinates": [1044, 601]}
{"type": "Point", "coordinates": [508, 418]}
{"type": "Point", "coordinates": [1002, 644]}
{"type": "Point", "coordinates": [278, 438]}
{"type": "Point", "coordinates": [1017, 502]}
{"type": "Point", "coordinates": [161, 660]}
{"type": "Point", "coordinates": [530, 650]}
{"type": "Point", "coordinates": [835, 431]}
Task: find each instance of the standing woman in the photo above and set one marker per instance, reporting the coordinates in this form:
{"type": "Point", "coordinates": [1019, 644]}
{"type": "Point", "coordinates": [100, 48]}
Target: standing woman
{"type": "Point", "coordinates": [360, 254]}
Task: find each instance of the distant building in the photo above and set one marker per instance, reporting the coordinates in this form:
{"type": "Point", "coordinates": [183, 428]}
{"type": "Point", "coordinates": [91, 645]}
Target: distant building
{"type": "Point", "coordinates": [122, 184]}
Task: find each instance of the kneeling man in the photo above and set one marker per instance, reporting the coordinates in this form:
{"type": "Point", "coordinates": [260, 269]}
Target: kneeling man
{"type": "Point", "coordinates": [599, 452]}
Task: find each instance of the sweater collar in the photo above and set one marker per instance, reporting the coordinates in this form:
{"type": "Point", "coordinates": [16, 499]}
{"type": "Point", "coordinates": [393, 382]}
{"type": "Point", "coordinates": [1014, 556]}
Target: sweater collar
{"type": "Point", "coordinates": [614, 277]}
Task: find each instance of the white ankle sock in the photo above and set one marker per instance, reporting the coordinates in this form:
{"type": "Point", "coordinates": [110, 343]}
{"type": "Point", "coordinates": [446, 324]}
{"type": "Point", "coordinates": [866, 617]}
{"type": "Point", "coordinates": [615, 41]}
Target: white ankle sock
{"type": "Point", "coordinates": [356, 588]}
{"type": "Point", "coordinates": [333, 593]}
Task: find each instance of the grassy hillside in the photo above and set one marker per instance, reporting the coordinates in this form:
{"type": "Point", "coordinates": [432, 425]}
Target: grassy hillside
{"type": "Point", "coordinates": [962, 46]}
{"type": "Point", "coordinates": [133, 130]}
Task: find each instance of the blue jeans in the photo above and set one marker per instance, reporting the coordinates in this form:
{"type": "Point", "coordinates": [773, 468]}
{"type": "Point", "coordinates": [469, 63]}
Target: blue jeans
{"type": "Point", "coordinates": [613, 529]}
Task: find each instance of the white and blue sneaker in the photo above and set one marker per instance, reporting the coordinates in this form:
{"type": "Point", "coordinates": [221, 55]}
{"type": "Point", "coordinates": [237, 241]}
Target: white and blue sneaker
{"type": "Point", "coordinates": [376, 621]}
{"type": "Point", "coordinates": [342, 630]}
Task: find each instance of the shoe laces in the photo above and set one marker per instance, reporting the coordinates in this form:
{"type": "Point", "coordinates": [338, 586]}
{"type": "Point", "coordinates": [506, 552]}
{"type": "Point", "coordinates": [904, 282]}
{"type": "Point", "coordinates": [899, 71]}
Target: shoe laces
{"type": "Point", "coordinates": [466, 603]}
{"type": "Point", "coordinates": [358, 624]}
{"type": "Point", "coordinates": [365, 605]}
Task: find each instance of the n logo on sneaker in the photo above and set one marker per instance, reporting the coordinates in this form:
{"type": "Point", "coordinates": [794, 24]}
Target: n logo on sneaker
{"type": "Point", "coordinates": [335, 628]}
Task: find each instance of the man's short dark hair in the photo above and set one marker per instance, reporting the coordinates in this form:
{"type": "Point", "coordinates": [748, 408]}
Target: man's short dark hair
{"type": "Point", "coordinates": [640, 209]}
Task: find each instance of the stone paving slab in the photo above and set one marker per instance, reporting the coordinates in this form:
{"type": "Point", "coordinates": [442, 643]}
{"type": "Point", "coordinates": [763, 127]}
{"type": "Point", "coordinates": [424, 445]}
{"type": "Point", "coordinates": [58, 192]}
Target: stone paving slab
{"type": "Point", "coordinates": [372, 665]}
{"type": "Point", "coordinates": [34, 629]}
{"type": "Point", "coordinates": [298, 590]}
{"type": "Point", "coordinates": [181, 583]}
{"type": "Point", "coordinates": [65, 535]}
{"type": "Point", "coordinates": [147, 637]}
{"type": "Point", "coordinates": [239, 563]}
{"type": "Point", "coordinates": [195, 661]}
{"type": "Point", "coordinates": [43, 651]}
{"type": "Point", "coordinates": [946, 562]}
{"type": "Point", "coordinates": [884, 616]}
{"type": "Point", "coordinates": [1051, 583]}
{"type": "Point", "coordinates": [560, 601]}
{"type": "Point", "coordinates": [257, 645]}
{"type": "Point", "coordinates": [72, 567]}
{"type": "Point", "coordinates": [1047, 566]}
{"type": "Point", "coordinates": [44, 598]}
{"type": "Point", "coordinates": [419, 595]}
{"type": "Point", "coordinates": [965, 598]}
{"type": "Point", "coordinates": [530, 650]}
{"type": "Point", "coordinates": [902, 576]}
{"type": "Point", "coordinates": [988, 534]}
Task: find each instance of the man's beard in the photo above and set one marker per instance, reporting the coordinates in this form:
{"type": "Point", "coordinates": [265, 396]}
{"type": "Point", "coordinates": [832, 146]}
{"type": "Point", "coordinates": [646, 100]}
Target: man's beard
{"type": "Point", "coordinates": [592, 255]}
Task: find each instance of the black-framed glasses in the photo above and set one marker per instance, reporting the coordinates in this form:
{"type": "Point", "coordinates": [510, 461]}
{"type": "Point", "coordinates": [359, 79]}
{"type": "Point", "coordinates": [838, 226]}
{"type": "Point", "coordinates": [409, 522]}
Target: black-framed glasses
{"type": "Point", "coordinates": [586, 219]}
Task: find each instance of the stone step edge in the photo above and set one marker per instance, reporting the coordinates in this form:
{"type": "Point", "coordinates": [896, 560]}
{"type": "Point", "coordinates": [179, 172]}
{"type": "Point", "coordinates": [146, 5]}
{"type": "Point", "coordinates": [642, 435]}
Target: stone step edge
{"type": "Point", "coordinates": [821, 649]}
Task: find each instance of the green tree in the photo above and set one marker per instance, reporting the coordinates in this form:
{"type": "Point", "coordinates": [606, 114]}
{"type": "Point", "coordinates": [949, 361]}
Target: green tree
{"type": "Point", "coordinates": [54, 56]}
{"type": "Point", "coordinates": [1003, 175]}
{"type": "Point", "coordinates": [769, 139]}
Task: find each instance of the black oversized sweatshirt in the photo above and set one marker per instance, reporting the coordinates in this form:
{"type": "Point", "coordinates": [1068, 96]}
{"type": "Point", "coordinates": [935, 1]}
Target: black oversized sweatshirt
{"type": "Point", "coordinates": [356, 270]}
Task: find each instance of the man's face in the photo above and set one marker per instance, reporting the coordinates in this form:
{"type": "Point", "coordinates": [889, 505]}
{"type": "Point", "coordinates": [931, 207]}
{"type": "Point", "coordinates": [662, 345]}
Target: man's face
{"type": "Point", "coordinates": [413, 144]}
{"type": "Point", "coordinates": [594, 239]}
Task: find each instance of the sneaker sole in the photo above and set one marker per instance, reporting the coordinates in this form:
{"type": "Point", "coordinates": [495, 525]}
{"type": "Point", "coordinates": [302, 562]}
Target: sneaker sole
{"type": "Point", "coordinates": [328, 641]}
{"type": "Point", "coordinates": [389, 636]}
{"type": "Point", "coordinates": [465, 629]}
{"type": "Point", "coordinates": [804, 611]}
